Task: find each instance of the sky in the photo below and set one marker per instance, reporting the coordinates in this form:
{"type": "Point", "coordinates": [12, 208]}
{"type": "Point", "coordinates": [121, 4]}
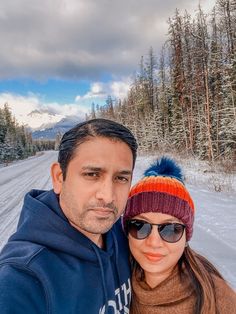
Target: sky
{"type": "Point", "coordinates": [62, 55]}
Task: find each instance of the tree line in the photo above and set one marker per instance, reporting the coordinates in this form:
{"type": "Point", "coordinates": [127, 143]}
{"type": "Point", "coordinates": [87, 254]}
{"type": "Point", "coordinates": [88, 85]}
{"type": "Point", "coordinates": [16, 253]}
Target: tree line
{"type": "Point", "coordinates": [16, 141]}
{"type": "Point", "coordinates": [184, 99]}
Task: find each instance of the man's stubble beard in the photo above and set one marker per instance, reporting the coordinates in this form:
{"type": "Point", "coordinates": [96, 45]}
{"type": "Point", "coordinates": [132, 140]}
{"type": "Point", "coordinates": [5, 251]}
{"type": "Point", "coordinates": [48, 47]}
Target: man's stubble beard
{"type": "Point", "coordinates": [83, 221]}
{"type": "Point", "coordinates": [96, 225]}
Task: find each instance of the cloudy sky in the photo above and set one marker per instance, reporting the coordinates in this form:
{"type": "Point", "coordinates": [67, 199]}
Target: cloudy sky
{"type": "Point", "coordinates": [62, 55]}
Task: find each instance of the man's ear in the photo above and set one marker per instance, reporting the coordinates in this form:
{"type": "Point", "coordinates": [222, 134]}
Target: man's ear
{"type": "Point", "coordinates": [57, 177]}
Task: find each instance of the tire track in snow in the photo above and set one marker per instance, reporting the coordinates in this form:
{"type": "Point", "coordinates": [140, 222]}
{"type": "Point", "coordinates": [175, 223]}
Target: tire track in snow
{"type": "Point", "coordinates": [19, 168]}
{"type": "Point", "coordinates": [15, 181]}
{"type": "Point", "coordinates": [221, 254]}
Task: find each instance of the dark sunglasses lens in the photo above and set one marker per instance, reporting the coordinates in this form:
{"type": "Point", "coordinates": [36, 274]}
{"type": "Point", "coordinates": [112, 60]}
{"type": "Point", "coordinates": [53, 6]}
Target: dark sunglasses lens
{"type": "Point", "coordinates": [171, 232]}
{"type": "Point", "coordinates": [139, 229]}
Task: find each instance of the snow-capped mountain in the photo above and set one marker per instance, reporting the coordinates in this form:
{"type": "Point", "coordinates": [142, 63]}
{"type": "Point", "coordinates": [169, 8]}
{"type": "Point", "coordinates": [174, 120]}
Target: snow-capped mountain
{"type": "Point", "coordinates": [50, 130]}
{"type": "Point", "coordinates": [46, 124]}
{"type": "Point", "coordinates": [43, 118]}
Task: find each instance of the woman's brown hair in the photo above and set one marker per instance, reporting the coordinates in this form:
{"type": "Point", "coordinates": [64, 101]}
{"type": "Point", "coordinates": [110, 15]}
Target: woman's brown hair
{"type": "Point", "coordinates": [201, 273]}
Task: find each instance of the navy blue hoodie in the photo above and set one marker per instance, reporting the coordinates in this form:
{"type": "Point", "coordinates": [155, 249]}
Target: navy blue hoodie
{"type": "Point", "coordinates": [47, 266]}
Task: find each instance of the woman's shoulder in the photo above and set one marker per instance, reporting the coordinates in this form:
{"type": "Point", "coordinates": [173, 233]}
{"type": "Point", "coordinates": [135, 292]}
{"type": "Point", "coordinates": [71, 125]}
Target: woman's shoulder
{"type": "Point", "coordinates": [223, 285]}
{"type": "Point", "coordinates": [225, 296]}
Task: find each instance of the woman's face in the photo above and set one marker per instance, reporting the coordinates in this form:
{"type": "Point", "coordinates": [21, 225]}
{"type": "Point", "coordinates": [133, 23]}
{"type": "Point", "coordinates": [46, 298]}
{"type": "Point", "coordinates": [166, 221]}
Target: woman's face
{"type": "Point", "coordinates": [156, 256]}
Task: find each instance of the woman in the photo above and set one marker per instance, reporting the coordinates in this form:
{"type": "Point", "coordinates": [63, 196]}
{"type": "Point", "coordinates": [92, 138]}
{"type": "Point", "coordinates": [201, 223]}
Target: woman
{"type": "Point", "coordinates": [168, 276]}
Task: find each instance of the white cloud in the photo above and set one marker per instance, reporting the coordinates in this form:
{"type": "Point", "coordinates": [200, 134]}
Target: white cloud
{"type": "Point", "coordinates": [99, 92]}
{"type": "Point", "coordinates": [20, 105]}
{"type": "Point", "coordinates": [31, 111]}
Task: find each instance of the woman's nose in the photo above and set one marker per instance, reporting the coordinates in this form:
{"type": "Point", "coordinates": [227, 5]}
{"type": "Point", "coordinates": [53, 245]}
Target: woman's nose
{"type": "Point", "coordinates": [154, 238]}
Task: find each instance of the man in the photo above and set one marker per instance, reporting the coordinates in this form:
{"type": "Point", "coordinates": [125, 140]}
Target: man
{"type": "Point", "coordinates": [69, 254]}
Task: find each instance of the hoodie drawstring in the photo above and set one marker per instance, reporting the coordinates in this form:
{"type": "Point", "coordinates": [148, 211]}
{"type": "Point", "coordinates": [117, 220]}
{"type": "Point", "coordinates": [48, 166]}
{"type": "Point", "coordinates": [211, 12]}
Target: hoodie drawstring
{"type": "Point", "coordinates": [117, 266]}
{"type": "Point", "coordinates": [116, 257]}
{"type": "Point", "coordinates": [103, 276]}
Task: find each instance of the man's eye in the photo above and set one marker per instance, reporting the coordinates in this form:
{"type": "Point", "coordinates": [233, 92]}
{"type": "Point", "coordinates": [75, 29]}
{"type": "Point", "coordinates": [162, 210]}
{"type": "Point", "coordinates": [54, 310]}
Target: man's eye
{"type": "Point", "coordinates": [122, 179]}
{"type": "Point", "coordinates": [91, 174]}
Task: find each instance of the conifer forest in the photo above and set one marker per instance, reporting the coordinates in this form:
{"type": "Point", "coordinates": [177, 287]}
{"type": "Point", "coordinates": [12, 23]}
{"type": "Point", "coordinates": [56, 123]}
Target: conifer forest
{"type": "Point", "coordinates": [184, 99]}
{"type": "Point", "coordinates": [15, 141]}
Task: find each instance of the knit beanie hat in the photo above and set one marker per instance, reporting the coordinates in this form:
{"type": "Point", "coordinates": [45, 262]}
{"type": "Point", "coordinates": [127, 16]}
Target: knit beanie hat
{"type": "Point", "coordinates": [162, 190]}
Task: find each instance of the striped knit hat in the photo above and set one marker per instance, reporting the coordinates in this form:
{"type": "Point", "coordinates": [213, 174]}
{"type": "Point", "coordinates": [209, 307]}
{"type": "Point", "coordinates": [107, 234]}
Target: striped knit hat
{"type": "Point", "coordinates": [162, 190]}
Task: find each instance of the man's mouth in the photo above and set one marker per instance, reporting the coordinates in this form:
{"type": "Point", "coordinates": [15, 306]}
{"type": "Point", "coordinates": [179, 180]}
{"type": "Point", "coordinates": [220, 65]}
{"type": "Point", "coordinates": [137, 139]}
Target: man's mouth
{"type": "Point", "coordinates": [103, 211]}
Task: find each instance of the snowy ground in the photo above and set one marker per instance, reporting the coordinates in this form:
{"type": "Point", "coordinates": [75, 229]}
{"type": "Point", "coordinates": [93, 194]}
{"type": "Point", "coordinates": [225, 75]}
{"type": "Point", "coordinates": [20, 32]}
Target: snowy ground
{"type": "Point", "coordinates": [214, 232]}
{"type": "Point", "coordinates": [16, 180]}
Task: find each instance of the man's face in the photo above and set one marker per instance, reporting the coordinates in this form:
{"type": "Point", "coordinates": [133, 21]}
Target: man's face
{"type": "Point", "coordinates": [96, 188]}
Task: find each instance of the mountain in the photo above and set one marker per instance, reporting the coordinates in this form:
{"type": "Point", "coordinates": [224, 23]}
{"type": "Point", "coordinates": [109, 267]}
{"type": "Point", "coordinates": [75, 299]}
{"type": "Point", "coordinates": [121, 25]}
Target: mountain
{"type": "Point", "coordinates": [42, 119]}
{"type": "Point", "coordinates": [50, 130]}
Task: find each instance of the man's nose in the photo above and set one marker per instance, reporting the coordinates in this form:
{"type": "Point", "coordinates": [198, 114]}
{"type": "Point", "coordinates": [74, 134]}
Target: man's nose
{"type": "Point", "coordinates": [105, 191]}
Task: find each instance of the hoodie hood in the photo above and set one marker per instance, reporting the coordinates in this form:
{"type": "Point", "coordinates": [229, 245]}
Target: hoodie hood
{"type": "Point", "coordinates": [43, 222]}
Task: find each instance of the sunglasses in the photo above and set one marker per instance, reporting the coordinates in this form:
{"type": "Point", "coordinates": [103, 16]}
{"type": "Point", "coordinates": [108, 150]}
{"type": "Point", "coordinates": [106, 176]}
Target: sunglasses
{"type": "Point", "coordinates": [169, 232]}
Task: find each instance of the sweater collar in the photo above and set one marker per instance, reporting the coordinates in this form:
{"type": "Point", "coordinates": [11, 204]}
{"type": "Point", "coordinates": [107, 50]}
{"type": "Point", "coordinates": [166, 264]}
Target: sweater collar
{"type": "Point", "coordinates": [173, 289]}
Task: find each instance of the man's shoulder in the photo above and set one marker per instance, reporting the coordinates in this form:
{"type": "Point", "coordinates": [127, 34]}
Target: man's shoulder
{"type": "Point", "coordinates": [17, 282]}
{"type": "Point", "coordinates": [20, 252]}
{"type": "Point", "coordinates": [25, 262]}
{"type": "Point", "coordinates": [17, 277]}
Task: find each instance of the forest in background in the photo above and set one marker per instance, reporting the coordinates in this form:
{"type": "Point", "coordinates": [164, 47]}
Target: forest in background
{"type": "Point", "coordinates": [183, 101]}
{"type": "Point", "coordinates": [15, 141]}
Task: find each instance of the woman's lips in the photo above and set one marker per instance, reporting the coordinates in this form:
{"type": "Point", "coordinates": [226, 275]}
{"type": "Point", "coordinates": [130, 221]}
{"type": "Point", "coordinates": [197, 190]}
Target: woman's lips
{"type": "Point", "coordinates": [153, 257]}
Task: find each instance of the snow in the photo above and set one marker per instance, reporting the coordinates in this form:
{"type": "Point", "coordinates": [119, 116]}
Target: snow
{"type": "Point", "coordinates": [214, 230]}
{"type": "Point", "coordinates": [15, 181]}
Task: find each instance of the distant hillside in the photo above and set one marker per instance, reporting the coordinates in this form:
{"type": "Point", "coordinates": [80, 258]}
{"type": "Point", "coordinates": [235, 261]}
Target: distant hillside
{"type": "Point", "coordinates": [60, 127]}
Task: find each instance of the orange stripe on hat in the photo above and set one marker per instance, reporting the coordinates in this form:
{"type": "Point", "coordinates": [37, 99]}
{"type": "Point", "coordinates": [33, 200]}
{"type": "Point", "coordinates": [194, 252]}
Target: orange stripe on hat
{"type": "Point", "coordinates": [167, 185]}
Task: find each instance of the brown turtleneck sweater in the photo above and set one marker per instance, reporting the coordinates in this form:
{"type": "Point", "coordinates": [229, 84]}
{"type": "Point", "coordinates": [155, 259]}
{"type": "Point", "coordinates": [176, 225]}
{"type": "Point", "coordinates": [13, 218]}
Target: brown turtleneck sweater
{"type": "Point", "coordinates": [173, 296]}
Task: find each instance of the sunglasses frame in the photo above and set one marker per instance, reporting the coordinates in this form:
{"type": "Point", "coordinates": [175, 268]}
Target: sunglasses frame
{"type": "Point", "coordinates": [158, 228]}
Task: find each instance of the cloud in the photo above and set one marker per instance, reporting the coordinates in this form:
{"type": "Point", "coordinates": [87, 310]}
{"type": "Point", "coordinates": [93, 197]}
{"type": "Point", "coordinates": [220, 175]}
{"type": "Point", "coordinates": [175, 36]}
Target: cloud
{"type": "Point", "coordinates": [31, 111]}
{"type": "Point", "coordinates": [99, 92]}
{"type": "Point", "coordinates": [83, 39]}
{"type": "Point", "coordinates": [20, 105]}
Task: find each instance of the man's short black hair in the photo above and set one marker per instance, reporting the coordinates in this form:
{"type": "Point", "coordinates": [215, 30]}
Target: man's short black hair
{"type": "Point", "coordinates": [92, 128]}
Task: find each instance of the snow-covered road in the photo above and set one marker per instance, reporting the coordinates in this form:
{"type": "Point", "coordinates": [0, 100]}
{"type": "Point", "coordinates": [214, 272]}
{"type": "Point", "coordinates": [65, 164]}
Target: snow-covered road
{"type": "Point", "coordinates": [214, 232]}
{"type": "Point", "coordinates": [15, 181]}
